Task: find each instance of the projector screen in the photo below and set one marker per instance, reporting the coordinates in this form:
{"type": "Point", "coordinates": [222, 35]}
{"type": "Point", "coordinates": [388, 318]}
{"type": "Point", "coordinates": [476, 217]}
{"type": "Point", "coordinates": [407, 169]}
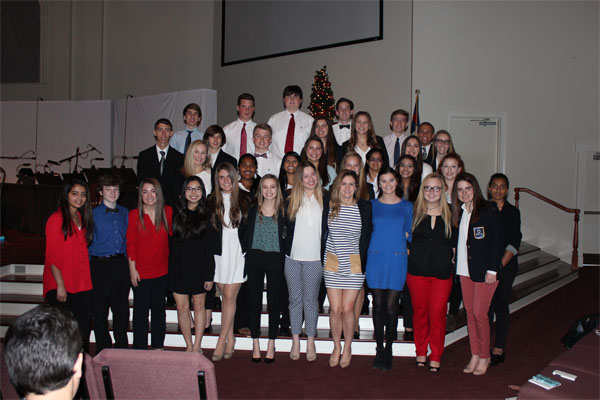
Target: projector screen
{"type": "Point", "coordinates": [254, 30]}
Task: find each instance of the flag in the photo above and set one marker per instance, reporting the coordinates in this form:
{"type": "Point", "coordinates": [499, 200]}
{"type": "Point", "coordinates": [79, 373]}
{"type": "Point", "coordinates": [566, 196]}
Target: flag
{"type": "Point", "coordinates": [415, 119]}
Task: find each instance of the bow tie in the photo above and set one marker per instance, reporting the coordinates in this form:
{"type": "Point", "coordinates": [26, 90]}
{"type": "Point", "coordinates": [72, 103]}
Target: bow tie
{"type": "Point", "coordinates": [112, 210]}
{"type": "Point", "coordinates": [263, 155]}
{"type": "Point", "coordinates": [344, 126]}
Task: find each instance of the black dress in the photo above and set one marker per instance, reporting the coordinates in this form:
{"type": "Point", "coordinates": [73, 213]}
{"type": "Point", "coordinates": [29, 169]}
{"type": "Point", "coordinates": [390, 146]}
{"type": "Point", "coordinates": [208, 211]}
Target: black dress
{"type": "Point", "coordinates": [191, 263]}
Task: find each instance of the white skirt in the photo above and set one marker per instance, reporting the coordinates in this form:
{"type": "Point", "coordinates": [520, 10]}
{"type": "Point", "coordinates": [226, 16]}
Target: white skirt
{"type": "Point", "coordinates": [229, 266]}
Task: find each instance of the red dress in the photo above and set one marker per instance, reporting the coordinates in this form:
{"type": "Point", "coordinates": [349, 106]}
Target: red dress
{"type": "Point", "coordinates": [70, 256]}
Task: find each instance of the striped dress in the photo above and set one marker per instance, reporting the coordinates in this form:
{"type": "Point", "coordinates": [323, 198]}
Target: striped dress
{"type": "Point", "coordinates": [343, 240]}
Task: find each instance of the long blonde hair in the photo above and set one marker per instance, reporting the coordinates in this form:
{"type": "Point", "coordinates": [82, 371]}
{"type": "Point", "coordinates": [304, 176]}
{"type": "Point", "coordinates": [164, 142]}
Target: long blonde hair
{"type": "Point", "coordinates": [335, 202]}
{"type": "Point", "coordinates": [362, 192]}
{"type": "Point", "coordinates": [237, 209]}
{"type": "Point", "coordinates": [420, 207]}
{"type": "Point", "coordinates": [278, 198]}
{"type": "Point", "coordinates": [297, 193]}
{"type": "Point", "coordinates": [159, 207]}
{"type": "Point", "coordinates": [189, 167]}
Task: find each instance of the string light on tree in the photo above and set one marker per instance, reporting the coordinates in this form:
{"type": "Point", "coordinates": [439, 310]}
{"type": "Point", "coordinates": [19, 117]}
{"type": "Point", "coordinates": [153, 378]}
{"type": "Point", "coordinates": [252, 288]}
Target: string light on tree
{"type": "Point", "coordinates": [322, 102]}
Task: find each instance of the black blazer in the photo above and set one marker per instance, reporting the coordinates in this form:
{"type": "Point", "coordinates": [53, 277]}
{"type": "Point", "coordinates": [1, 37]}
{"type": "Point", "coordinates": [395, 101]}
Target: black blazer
{"type": "Point", "coordinates": [171, 180]}
{"type": "Point", "coordinates": [510, 217]}
{"type": "Point", "coordinates": [380, 144]}
{"type": "Point", "coordinates": [431, 156]}
{"type": "Point", "coordinates": [366, 212]}
{"type": "Point", "coordinates": [485, 245]}
{"type": "Point", "coordinates": [290, 226]}
{"type": "Point", "coordinates": [221, 158]}
{"type": "Point", "coordinates": [248, 233]}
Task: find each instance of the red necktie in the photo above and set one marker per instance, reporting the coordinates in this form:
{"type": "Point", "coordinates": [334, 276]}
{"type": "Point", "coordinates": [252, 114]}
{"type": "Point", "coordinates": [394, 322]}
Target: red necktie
{"type": "Point", "coordinates": [289, 139]}
{"type": "Point", "coordinates": [244, 141]}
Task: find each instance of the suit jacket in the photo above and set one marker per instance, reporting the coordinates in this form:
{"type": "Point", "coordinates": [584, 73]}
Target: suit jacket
{"type": "Point", "coordinates": [431, 156]}
{"type": "Point", "coordinates": [221, 158]}
{"type": "Point", "coordinates": [366, 220]}
{"type": "Point", "coordinates": [171, 180]}
{"type": "Point", "coordinates": [380, 144]}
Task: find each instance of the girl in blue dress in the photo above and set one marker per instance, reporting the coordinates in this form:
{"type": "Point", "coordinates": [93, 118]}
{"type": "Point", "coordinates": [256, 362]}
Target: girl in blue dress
{"type": "Point", "coordinates": [387, 261]}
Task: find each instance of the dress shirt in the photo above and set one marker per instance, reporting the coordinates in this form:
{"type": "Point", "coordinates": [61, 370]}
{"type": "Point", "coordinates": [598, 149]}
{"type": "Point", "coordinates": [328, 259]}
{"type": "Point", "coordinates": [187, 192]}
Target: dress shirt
{"type": "Point", "coordinates": [428, 148]}
{"type": "Point", "coordinates": [178, 138]}
{"type": "Point", "coordinates": [279, 123]}
{"type": "Point", "coordinates": [233, 132]}
{"type": "Point", "coordinates": [70, 256]}
{"type": "Point", "coordinates": [147, 247]}
{"type": "Point", "coordinates": [462, 262]}
{"type": "Point", "coordinates": [213, 157]}
{"type": "Point", "coordinates": [269, 165]}
{"type": "Point", "coordinates": [205, 176]}
{"type": "Point", "coordinates": [390, 144]}
{"type": "Point", "coordinates": [374, 183]}
{"type": "Point", "coordinates": [110, 231]}
{"type": "Point", "coordinates": [362, 154]}
{"type": "Point", "coordinates": [341, 134]}
{"type": "Point", "coordinates": [307, 231]}
{"type": "Point", "coordinates": [158, 150]}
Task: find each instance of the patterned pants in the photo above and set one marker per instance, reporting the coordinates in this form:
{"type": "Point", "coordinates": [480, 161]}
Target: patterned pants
{"type": "Point", "coordinates": [303, 280]}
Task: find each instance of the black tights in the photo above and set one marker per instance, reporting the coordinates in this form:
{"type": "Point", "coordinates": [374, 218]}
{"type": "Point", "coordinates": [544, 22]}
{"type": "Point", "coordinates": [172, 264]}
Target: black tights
{"type": "Point", "coordinates": [385, 313]}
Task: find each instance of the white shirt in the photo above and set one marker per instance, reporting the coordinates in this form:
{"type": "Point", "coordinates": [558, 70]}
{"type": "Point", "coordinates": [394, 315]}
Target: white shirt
{"type": "Point", "coordinates": [213, 158]}
{"type": "Point", "coordinates": [390, 144]}
{"type": "Point", "coordinates": [205, 176]}
{"type": "Point", "coordinates": [269, 165]}
{"type": "Point", "coordinates": [306, 245]}
{"type": "Point", "coordinates": [279, 123]}
{"type": "Point", "coordinates": [178, 139]}
{"type": "Point", "coordinates": [462, 262]}
{"type": "Point", "coordinates": [233, 133]}
{"type": "Point", "coordinates": [374, 183]}
{"type": "Point", "coordinates": [362, 154]}
{"type": "Point", "coordinates": [158, 150]}
{"type": "Point", "coordinates": [341, 134]}
{"type": "Point", "coordinates": [426, 170]}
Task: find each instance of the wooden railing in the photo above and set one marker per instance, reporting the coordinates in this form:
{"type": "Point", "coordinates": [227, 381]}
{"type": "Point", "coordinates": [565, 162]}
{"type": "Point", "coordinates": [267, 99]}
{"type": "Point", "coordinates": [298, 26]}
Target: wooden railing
{"type": "Point", "coordinates": [575, 211]}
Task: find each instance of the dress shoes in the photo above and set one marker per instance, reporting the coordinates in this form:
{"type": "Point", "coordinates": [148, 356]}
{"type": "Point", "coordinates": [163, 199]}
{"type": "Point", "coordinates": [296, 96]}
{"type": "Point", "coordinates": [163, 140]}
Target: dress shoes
{"type": "Point", "coordinates": [497, 359]}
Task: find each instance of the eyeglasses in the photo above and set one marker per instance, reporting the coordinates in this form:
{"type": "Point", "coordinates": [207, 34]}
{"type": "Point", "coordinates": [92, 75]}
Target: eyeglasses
{"type": "Point", "coordinates": [432, 188]}
{"type": "Point", "coordinates": [191, 189]}
{"type": "Point", "coordinates": [377, 160]}
{"type": "Point", "coordinates": [465, 189]}
{"type": "Point", "coordinates": [441, 141]}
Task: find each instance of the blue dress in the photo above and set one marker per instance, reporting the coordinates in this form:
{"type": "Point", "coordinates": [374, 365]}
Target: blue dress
{"type": "Point", "coordinates": [387, 257]}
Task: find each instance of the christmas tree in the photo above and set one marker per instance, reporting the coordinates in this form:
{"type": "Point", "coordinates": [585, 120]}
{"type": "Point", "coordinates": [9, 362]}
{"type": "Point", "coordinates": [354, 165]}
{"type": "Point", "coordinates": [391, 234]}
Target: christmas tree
{"type": "Point", "coordinates": [322, 102]}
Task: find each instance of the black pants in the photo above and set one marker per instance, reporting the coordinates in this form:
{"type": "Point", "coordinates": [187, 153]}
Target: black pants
{"type": "Point", "coordinates": [80, 305]}
{"type": "Point", "coordinates": [149, 295]}
{"type": "Point", "coordinates": [499, 305]}
{"type": "Point", "coordinates": [110, 278]}
{"type": "Point", "coordinates": [455, 296]}
{"type": "Point", "coordinates": [259, 264]}
{"type": "Point", "coordinates": [407, 309]}
{"type": "Point", "coordinates": [242, 309]}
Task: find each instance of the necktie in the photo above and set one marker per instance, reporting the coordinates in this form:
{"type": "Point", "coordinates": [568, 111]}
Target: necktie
{"type": "Point", "coordinates": [397, 151]}
{"type": "Point", "coordinates": [162, 161]}
{"type": "Point", "coordinates": [188, 140]}
{"type": "Point", "coordinates": [289, 139]}
{"type": "Point", "coordinates": [263, 155]}
{"type": "Point", "coordinates": [424, 153]}
{"type": "Point", "coordinates": [243, 141]}
{"type": "Point", "coordinates": [344, 126]}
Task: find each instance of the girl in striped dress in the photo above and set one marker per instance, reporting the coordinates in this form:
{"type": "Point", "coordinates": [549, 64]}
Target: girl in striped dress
{"type": "Point", "coordinates": [347, 231]}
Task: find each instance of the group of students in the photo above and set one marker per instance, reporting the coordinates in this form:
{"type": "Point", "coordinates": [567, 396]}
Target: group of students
{"type": "Point", "coordinates": [369, 210]}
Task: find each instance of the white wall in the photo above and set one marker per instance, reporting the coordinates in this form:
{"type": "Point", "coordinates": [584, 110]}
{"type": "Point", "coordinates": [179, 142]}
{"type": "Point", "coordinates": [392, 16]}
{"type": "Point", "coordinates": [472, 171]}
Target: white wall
{"type": "Point", "coordinates": [535, 61]}
{"type": "Point", "coordinates": [375, 75]}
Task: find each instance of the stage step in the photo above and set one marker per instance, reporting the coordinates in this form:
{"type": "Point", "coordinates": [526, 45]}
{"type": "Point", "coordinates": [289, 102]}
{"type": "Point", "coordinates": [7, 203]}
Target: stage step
{"type": "Point", "coordinates": [539, 274]}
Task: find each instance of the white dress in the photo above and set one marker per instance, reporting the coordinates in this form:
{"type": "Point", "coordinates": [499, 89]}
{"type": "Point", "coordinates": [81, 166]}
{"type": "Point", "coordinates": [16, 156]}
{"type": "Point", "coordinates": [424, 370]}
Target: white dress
{"type": "Point", "coordinates": [229, 266]}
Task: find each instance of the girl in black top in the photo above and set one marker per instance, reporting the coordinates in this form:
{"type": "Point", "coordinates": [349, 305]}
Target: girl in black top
{"type": "Point", "coordinates": [191, 261]}
{"type": "Point", "coordinates": [510, 218]}
{"type": "Point", "coordinates": [430, 269]}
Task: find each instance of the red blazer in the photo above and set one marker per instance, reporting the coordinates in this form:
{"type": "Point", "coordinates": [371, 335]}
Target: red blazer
{"type": "Point", "coordinates": [147, 247]}
{"type": "Point", "coordinates": [69, 256]}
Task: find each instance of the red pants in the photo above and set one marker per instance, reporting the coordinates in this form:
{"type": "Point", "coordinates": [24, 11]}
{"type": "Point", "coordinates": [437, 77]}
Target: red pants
{"type": "Point", "coordinates": [429, 297]}
{"type": "Point", "coordinates": [477, 297]}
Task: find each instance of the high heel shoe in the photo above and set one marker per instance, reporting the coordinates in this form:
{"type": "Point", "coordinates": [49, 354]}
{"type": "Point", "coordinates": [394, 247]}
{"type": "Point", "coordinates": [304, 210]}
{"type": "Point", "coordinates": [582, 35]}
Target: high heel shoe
{"type": "Point", "coordinates": [482, 366]}
{"type": "Point", "coordinates": [433, 368]}
{"type": "Point", "coordinates": [497, 359]}
{"type": "Point", "coordinates": [228, 354]}
{"type": "Point", "coordinates": [334, 359]}
{"type": "Point", "coordinates": [217, 357]}
{"type": "Point", "coordinates": [295, 352]}
{"type": "Point", "coordinates": [311, 351]}
{"type": "Point", "coordinates": [346, 362]}
{"type": "Point", "coordinates": [421, 364]}
{"type": "Point", "coordinates": [257, 359]}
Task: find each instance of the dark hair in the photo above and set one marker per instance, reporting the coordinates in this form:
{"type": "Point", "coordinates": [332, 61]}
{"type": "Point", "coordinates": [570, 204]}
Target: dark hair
{"type": "Point", "coordinates": [193, 106]}
{"type": "Point", "coordinates": [387, 170]}
{"type": "Point", "coordinates": [419, 159]}
{"type": "Point", "coordinates": [322, 167]}
{"type": "Point", "coordinates": [292, 90]}
{"type": "Point", "coordinates": [478, 199]}
{"type": "Point", "coordinates": [371, 136]}
{"type": "Point", "coordinates": [41, 348]}
{"type": "Point", "coordinates": [109, 179]}
{"type": "Point", "coordinates": [87, 219]}
{"type": "Point", "coordinates": [256, 180]}
{"type": "Point", "coordinates": [188, 224]}
{"type": "Point", "coordinates": [344, 100]}
{"type": "Point", "coordinates": [368, 157]}
{"type": "Point", "coordinates": [245, 96]}
{"type": "Point", "coordinates": [163, 121]}
{"type": "Point", "coordinates": [283, 182]}
{"type": "Point", "coordinates": [329, 148]}
{"type": "Point", "coordinates": [415, 179]}
{"type": "Point", "coordinates": [399, 112]}
{"type": "Point", "coordinates": [215, 130]}
{"type": "Point", "coordinates": [497, 175]}
{"type": "Point", "coordinates": [427, 123]}
{"type": "Point", "coordinates": [453, 156]}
